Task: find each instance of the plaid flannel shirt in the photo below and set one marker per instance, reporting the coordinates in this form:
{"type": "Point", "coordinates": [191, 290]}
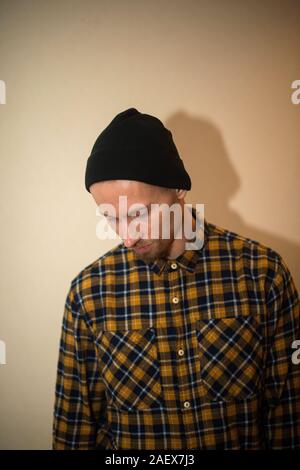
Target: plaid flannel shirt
{"type": "Point", "coordinates": [189, 353]}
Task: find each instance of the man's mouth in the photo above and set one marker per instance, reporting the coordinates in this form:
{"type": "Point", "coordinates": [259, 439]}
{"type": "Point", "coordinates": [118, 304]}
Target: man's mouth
{"type": "Point", "coordinates": [143, 249]}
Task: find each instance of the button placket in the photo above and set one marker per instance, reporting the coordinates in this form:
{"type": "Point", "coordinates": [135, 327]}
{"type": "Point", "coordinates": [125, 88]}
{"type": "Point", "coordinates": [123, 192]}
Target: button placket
{"type": "Point", "coordinates": [175, 299]}
{"type": "Point", "coordinates": [181, 369]}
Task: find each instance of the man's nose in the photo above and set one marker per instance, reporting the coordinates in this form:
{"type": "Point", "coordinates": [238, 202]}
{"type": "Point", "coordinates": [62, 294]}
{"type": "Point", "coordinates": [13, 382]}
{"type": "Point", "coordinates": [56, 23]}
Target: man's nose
{"type": "Point", "coordinates": [130, 242]}
{"type": "Point", "coordinates": [128, 239]}
{"type": "Point", "coordinates": [130, 235]}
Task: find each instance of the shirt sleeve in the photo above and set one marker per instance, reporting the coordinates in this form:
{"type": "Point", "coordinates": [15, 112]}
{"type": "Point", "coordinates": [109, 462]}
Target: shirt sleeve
{"type": "Point", "coordinates": [79, 420]}
{"type": "Point", "coordinates": [281, 408]}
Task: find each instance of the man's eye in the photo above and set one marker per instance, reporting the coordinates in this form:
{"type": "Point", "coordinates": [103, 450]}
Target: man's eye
{"type": "Point", "coordinates": [108, 217]}
{"type": "Point", "coordinates": [141, 213]}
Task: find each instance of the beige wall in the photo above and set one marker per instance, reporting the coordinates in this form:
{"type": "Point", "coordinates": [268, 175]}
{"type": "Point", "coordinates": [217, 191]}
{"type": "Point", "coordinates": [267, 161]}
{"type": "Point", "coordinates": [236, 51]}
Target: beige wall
{"type": "Point", "coordinates": [218, 73]}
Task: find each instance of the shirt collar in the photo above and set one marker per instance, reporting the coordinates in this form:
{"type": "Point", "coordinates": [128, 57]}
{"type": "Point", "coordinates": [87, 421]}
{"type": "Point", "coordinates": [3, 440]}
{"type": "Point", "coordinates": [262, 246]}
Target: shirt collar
{"type": "Point", "coordinates": [189, 258]}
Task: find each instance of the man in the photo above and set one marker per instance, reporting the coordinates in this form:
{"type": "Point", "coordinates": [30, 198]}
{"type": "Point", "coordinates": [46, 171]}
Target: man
{"type": "Point", "coordinates": [170, 345]}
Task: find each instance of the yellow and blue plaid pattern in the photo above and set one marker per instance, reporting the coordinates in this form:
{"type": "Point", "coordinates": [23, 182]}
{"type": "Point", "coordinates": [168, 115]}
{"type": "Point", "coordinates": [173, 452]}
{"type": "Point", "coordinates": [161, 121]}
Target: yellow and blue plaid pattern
{"type": "Point", "coordinates": [192, 353]}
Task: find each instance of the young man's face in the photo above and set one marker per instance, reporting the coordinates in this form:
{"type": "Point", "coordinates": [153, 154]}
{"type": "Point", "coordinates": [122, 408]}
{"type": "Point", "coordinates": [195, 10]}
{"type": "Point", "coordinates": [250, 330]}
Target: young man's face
{"type": "Point", "coordinates": [136, 192]}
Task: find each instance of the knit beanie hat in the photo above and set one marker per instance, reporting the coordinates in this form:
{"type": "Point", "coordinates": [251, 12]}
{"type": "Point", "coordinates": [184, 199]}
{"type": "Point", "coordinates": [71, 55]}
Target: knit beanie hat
{"type": "Point", "coordinates": [136, 146]}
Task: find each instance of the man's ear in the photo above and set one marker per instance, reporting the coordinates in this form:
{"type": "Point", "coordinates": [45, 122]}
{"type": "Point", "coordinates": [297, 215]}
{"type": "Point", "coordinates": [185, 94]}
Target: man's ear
{"type": "Point", "coordinates": [181, 193]}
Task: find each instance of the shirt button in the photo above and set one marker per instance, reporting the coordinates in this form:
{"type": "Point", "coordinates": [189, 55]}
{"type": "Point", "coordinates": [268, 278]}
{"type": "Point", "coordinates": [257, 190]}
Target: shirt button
{"type": "Point", "coordinates": [186, 404]}
{"type": "Point", "coordinates": [180, 352]}
{"type": "Point", "coordinates": [174, 265]}
{"type": "Point", "coordinates": [175, 300]}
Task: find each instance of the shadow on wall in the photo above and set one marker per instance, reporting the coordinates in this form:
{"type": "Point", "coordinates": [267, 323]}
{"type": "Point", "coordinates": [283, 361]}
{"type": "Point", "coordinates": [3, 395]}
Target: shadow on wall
{"type": "Point", "coordinates": [219, 182]}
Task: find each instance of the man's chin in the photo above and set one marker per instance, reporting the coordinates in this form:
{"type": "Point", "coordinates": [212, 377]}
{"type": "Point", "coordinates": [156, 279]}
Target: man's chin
{"type": "Point", "coordinates": [154, 253]}
{"type": "Point", "coordinates": [147, 257]}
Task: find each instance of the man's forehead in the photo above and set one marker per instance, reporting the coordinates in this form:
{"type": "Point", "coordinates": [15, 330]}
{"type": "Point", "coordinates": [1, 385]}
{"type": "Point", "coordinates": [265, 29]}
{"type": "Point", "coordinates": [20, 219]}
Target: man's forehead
{"type": "Point", "coordinates": [135, 191]}
{"type": "Point", "coordinates": [126, 185]}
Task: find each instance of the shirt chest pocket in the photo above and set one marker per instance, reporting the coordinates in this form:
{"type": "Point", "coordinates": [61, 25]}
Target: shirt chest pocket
{"type": "Point", "coordinates": [230, 351]}
{"type": "Point", "coordinates": [129, 367]}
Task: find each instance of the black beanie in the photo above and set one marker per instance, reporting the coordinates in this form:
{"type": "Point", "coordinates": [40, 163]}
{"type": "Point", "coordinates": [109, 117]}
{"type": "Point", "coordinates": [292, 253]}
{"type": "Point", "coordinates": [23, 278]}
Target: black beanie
{"type": "Point", "coordinates": [136, 146]}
